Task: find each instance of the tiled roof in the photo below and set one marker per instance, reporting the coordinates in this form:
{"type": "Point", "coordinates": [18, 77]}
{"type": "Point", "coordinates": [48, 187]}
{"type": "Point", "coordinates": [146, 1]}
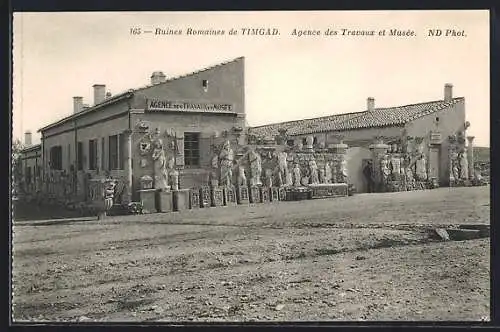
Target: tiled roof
{"type": "Point", "coordinates": [130, 93]}
{"type": "Point", "coordinates": [379, 117]}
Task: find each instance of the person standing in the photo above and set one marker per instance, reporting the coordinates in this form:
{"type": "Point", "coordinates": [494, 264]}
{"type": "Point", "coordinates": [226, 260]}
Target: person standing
{"type": "Point", "coordinates": [368, 173]}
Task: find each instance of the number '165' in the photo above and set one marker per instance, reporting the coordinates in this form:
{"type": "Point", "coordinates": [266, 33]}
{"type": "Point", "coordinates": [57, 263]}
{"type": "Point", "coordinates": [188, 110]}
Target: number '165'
{"type": "Point", "coordinates": [135, 31]}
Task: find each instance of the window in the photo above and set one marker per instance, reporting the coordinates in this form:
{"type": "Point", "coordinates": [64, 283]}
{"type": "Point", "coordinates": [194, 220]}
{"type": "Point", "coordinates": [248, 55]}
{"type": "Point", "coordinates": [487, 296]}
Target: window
{"type": "Point", "coordinates": [315, 140]}
{"type": "Point", "coordinates": [56, 157]}
{"type": "Point", "coordinates": [93, 154]}
{"type": "Point", "coordinates": [205, 85]}
{"type": "Point", "coordinates": [116, 154]}
{"type": "Point", "coordinates": [304, 141]}
{"type": "Point", "coordinates": [79, 156]}
{"type": "Point", "coordinates": [191, 149]}
{"type": "Point", "coordinates": [113, 152]}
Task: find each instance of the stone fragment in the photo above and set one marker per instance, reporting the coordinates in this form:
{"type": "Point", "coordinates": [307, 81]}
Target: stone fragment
{"type": "Point", "coordinates": [443, 234]}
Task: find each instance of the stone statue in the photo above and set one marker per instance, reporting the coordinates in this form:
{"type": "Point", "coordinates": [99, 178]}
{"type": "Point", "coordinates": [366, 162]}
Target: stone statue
{"type": "Point", "coordinates": [328, 173]}
{"type": "Point", "coordinates": [384, 169]}
{"type": "Point", "coordinates": [214, 178]}
{"type": "Point", "coordinates": [396, 167]}
{"type": "Point", "coordinates": [283, 166]}
{"type": "Point", "coordinates": [309, 142]}
{"type": "Point", "coordinates": [464, 165]}
{"type": "Point", "coordinates": [322, 176]}
{"type": "Point", "coordinates": [454, 170]}
{"type": "Point", "coordinates": [269, 177]}
{"type": "Point", "coordinates": [289, 179]}
{"type": "Point", "coordinates": [255, 168]}
{"type": "Point", "coordinates": [421, 167]}
{"type": "Point", "coordinates": [343, 169]}
{"type": "Point", "coordinates": [297, 176]}
{"type": "Point", "coordinates": [226, 158]}
{"type": "Point", "coordinates": [242, 178]}
{"type": "Point", "coordinates": [313, 168]}
{"type": "Point", "coordinates": [410, 180]}
{"type": "Point", "coordinates": [160, 165]}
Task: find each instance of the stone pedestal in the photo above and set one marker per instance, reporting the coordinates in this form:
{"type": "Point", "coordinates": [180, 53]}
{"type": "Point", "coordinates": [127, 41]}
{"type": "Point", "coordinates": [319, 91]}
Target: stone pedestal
{"type": "Point", "coordinates": [230, 196]}
{"type": "Point", "coordinates": [329, 190]}
{"type": "Point", "coordinates": [164, 201]}
{"type": "Point", "coordinates": [242, 195]}
{"type": "Point", "coordinates": [194, 199]}
{"type": "Point", "coordinates": [282, 194]}
{"type": "Point", "coordinates": [264, 194]}
{"type": "Point", "coordinates": [181, 199]}
{"type": "Point", "coordinates": [379, 149]}
{"type": "Point", "coordinates": [298, 194]}
{"type": "Point", "coordinates": [274, 194]}
{"type": "Point", "coordinates": [148, 200]}
{"type": "Point", "coordinates": [205, 196]}
{"type": "Point", "coordinates": [254, 194]}
{"type": "Point", "coordinates": [217, 197]}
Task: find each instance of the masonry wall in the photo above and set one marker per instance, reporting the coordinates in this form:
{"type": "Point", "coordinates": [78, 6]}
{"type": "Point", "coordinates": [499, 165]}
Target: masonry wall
{"type": "Point", "coordinates": [31, 161]}
{"type": "Point", "coordinates": [206, 124]}
{"type": "Point", "coordinates": [357, 137]}
{"type": "Point", "coordinates": [451, 120]}
{"type": "Point", "coordinates": [226, 85]}
{"type": "Point", "coordinates": [354, 157]}
{"type": "Point", "coordinates": [100, 124]}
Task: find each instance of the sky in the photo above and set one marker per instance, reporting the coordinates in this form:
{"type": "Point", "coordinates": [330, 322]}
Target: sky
{"type": "Point", "coordinates": [60, 55]}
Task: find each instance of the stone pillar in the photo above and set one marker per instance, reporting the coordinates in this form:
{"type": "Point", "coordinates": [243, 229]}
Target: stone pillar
{"type": "Point", "coordinates": [127, 195]}
{"type": "Point", "coordinates": [379, 149]}
{"type": "Point", "coordinates": [339, 149]}
{"type": "Point", "coordinates": [470, 156]}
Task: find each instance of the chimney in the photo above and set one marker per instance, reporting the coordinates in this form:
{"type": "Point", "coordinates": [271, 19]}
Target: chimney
{"type": "Point", "coordinates": [370, 103]}
{"type": "Point", "coordinates": [448, 92]}
{"type": "Point", "coordinates": [27, 138]}
{"type": "Point", "coordinates": [77, 104]}
{"type": "Point", "coordinates": [158, 77]}
{"type": "Point", "coordinates": [99, 93]}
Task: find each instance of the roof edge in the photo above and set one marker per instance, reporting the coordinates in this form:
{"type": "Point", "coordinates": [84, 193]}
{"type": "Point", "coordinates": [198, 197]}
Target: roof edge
{"type": "Point", "coordinates": [107, 102]}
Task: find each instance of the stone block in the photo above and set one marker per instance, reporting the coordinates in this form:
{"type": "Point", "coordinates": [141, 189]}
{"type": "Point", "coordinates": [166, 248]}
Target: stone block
{"type": "Point", "coordinates": [217, 197]}
{"type": "Point", "coordinates": [282, 194]}
{"type": "Point", "coordinates": [205, 194]}
{"type": "Point", "coordinates": [254, 194]}
{"type": "Point", "coordinates": [148, 200]}
{"type": "Point", "coordinates": [329, 190]}
{"type": "Point", "coordinates": [181, 199]}
{"type": "Point", "coordinates": [242, 195]}
{"type": "Point", "coordinates": [230, 196]}
{"type": "Point", "coordinates": [164, 201]}
{"type": "Point", "coordinates": [484, 229]}
{"type": "Point", "coordinates": [194, 199]}
{"type": "Point", "coordinates": [463, 234]}
{"type": "Point", "coordinates": [264, 194]}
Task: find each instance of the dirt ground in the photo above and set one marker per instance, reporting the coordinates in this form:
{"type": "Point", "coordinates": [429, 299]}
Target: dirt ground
{"type": "Point", "coordinates": [366, 257]}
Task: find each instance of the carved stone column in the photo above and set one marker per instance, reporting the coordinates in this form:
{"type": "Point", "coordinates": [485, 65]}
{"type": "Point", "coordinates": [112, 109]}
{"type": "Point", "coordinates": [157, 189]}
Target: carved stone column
{"type": "Point", "coordinates": [339, 149]}
{"type": "Point", "coordinates": [470, 156]}
{"type": "Point", "coordinates": [379, 149]}
{"type": "Point", "coordinates": [127, 195]}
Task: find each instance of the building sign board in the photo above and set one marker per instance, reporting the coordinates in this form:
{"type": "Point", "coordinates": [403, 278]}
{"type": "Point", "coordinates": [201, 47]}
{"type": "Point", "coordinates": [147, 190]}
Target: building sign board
{"type": "Point", "coordinates": [172, 105]}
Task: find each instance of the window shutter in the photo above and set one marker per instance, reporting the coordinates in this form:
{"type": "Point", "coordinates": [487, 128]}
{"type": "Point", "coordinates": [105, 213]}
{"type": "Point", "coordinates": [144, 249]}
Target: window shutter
{"type": "Point", "coordinates": [179, 158]}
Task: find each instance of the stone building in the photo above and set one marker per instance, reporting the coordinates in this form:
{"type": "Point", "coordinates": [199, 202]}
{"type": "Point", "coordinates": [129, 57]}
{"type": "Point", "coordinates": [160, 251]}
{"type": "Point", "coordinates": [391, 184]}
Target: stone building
{"type": "Point", "coordinates": [118, 134]}
{"type": "Point", "coordinates": [432, 121]}
{"type": "Point", "coordinates": [30, 166]}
